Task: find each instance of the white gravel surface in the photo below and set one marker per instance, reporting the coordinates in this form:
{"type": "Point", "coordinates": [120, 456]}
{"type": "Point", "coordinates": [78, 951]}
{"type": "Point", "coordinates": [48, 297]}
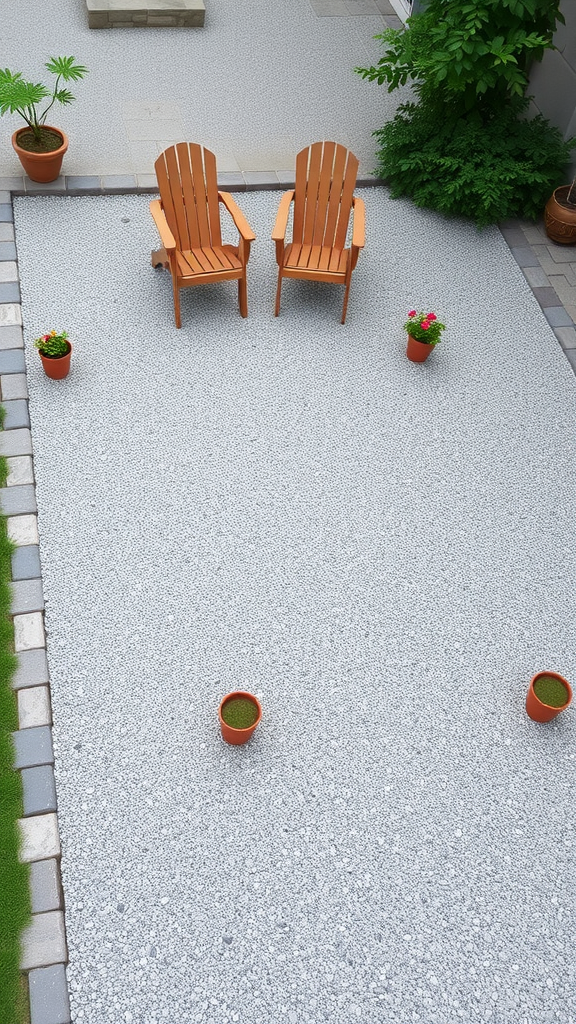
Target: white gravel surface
{"type": "Point", "coordinates": [260, 81]}
{"type": "Point", "coordinates": [383, 552]}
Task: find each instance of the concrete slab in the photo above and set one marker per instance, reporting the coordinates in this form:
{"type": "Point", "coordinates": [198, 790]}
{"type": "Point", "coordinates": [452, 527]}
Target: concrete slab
{"type": "Point", "coordinates": [49, 1003]}
{"type": "Point", "coordinates": [44, 941]}
{"type": "Point", "coordinates": [39, 838]}
{"type": "Point", "coordinates": [32, 669]}
{"type": "Point", "coordinates": [34, 707]}
{"type": "Point", "coordinates": [45, 887]}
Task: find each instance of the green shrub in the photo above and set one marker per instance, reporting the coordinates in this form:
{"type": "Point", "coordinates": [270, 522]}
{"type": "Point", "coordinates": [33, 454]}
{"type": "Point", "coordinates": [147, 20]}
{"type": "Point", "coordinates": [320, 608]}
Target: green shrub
{"type": "Point", "coordinates": [488, 171]}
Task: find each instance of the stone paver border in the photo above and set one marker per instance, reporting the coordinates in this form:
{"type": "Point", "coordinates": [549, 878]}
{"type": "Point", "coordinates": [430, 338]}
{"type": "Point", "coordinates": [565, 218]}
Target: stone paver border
{"type": "Point", "coordinates": [549, 269]}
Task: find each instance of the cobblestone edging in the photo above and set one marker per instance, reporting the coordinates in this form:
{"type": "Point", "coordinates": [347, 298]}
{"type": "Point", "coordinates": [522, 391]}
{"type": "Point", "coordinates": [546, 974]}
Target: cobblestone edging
{"type": "Point", "coordinates": [551, 273]}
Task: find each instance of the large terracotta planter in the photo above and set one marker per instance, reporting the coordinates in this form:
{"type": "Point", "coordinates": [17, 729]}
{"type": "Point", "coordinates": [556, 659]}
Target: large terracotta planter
{"type": "Point", "coordinates": [42, 167]}
{"type": "Point", "coordinates": [57, 368]}
{"type": "Point", "coordinates": [539, 711]}
{"type": "Point", "coordinates": [234, 735]}
{"type": "Point", "coordinates": [559, 219]}
{"type": "Point", "coordinates": [417, 351]}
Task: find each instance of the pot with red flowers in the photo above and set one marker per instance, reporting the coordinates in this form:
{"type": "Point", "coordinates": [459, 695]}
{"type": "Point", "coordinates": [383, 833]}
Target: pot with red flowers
{"type": "Point", "coordinates": [424, 332]}
{"type": "Point", "coordinates": [55, 352]}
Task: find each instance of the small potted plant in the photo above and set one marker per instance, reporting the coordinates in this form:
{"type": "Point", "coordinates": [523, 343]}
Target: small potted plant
{"type": "Point", "coordinates": [55, 351]}
{"type": "Point", "coordinates": [40, 147]}
{"type": "Point", "coordinates": [548, 695]}
{"type": "Point", "coordinates": [424, 331]}
{"type": "Point", "coordinates": [239, 714]}
{"type": "Point", "coordinates": [560, 215]}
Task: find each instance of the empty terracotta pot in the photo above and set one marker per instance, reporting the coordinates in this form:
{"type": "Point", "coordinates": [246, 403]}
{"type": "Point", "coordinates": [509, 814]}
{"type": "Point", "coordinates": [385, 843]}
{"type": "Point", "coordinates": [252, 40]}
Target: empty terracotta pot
{"type": "Point", "coordinates": [539, 711]}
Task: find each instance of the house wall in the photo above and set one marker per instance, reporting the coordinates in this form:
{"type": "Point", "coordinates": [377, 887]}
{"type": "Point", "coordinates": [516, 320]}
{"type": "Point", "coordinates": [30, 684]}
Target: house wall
{"type": "Point", "coordinates": [553, 80]}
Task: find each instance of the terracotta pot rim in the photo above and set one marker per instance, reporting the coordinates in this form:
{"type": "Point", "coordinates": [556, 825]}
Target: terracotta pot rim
{"type": "Point", "coordinates": [240, 693]}
{"type": "Point", "coordinates": [50, 152]}
{"type": "Point", "coordinates": [555, 675]}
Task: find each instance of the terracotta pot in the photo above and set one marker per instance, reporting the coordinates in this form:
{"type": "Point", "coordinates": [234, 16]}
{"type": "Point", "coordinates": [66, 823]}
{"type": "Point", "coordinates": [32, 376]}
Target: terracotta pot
{"type": "Point", "coordinates": [57, 368]}
{"type": "Point", "coordinates": [559, 220]}
{"type": "Point", "coordinates": [540, 712]}
{"type": "Point", "coordinates": [417, 351]}
{"type": "Point", "coordinates": [41, 166]}
{"type": "Point", "coordinates": [229, 733]}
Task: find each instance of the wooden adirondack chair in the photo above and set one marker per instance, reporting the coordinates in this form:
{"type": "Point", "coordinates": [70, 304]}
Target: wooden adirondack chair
{"type": "Point", "coordinates": [323, 200]}
{"type": "Point", "coordinates": [187, 216]}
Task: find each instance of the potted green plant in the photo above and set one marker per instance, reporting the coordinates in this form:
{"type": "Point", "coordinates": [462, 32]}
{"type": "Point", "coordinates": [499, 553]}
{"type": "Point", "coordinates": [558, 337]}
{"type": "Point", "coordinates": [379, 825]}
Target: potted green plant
{"type": "Point", "coordinates": [560, 215]}
{"type": "Point", "coordinates": [239, 714]}
{"type": "Point", "coordinates": [424, 332]}
{"type": "Point", "coordinates": [39, 146]}
{"type": "Point", "coordinates": [55, 352]}
{"type": "Point", "coordinates": [548, 695]}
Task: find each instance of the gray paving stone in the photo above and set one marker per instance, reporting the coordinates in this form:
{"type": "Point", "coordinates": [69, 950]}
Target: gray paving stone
{"type": "Point", "coordinates": [83, 183]}
{"type": "Point", "coordinates": [45, 886]}
{"type": "Point", "coordinates": [19, 500]}
{"type": "Point", "coordinates": [39, 837]}
{"type": "Point", "coordinates": [16, 413]}
{"type": "Point", "coordinates": [39, 790]}
{"type": "Point", "coordinates": [20, 470]}
{"type": "Point", "coordinates": [570, 354]}
{"type": "Point", "coordinates": [12, 182]}
{"type": "Point", "coordinates": [44, 941]}
{"type": "Point", "coordinates": [286, 179]}
{"type": "Point", "coordinates": [6, 231]}
{"type": "Point", "coordinates": [34, 707]}
{"type": "Point", "coordinates": [566, 336]}
{"type": "Point", "coordinates": [261, 180]}
{"type": "Point", "coordinates": [147, 181]}
{"type": "Point", "coordinates": [10, 313]}
{"type": "Point", "coordinates": [26, 562]}
{"type": "Point", "coordinates": [5, 195]}
{"type": "Point", "coordinates": [8, 250]}
{"type": "Point", "coordinates": [45, 188]}
{"type": "Point", "coordinates": [33, 747]}
{"type": "Point", "coordinates": [6, 213]}
{"type": "Point", "coordinates": [536, 277]}
{"type": "Point", "coordinates": [558, 317]}
{"type": "Point", "coordinates": [546, 296]}
{"type": "Point", "coordinates": [513, 235]}
{"type": "Point", "coordinates": [49, 1002]}
{"type": "Point", "coordinates": [118, 183]}
{"type": "Point", "coordinates": [12, 361]}
{"type": "Point", "coordinates": [11, 337]}
{"type": "Point", "coordinates": [32, 669]}
{"type": "Point", "coordinates": [8, 270]}
{"type": "Point", "coordinates": [562, 253]}
{"type": "Point", "coordinates": [230, 181]}
{"type": "Point", "coordinates": [15, 442]}
{"type": "Point", "coordinates": [13, 386]}
{"type": "Point", "coordinates": [524, 256]}
{"type": "Point", "coordinates": [27, 596]}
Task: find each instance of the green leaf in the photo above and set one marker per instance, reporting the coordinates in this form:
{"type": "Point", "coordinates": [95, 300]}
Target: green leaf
{"type": "Point", "coordinates": [63, 96]}
{"type": "Point", "coordinates": [66, 68]}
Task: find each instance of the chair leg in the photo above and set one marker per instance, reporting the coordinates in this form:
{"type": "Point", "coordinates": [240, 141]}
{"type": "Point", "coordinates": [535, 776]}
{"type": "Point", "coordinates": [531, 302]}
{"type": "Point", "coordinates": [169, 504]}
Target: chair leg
{"type": "Point", "coordinates": [159, 258]}
{"type": "Point", "coordinates": [346, 293]}
{"type": "Point", "coordinates": [177, 316]}
{"type": "Point", "coordinates": [278, 291]}
{"type": "Point", "coordinates": [243, 294]}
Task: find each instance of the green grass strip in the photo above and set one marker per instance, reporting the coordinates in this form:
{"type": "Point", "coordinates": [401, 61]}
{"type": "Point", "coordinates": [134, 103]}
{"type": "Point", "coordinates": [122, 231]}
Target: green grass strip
{"type": "Point", "coordinates": [14, 877]}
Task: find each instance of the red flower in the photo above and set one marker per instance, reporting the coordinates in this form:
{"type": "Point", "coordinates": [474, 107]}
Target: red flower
{"type": "Point", "coordinates": [412, 312]}
{"type": "Point", "coordinates": [431, 316]}
{"type": "Point", "coordinates": [424, 325]}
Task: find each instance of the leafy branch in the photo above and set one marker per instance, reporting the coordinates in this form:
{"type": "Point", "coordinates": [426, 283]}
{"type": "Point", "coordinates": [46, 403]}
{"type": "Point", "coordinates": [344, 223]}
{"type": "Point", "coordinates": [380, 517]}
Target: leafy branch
{"type": "Point", "coordinates": [24, 98]}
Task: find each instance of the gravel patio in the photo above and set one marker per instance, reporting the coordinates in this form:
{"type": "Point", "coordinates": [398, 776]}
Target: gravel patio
{"type": "Point", "coordinates": [383, 552]}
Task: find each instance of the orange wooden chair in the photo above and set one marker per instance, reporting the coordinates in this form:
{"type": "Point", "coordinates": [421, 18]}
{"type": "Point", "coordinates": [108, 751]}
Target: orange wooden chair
{"type": "Point", "coordinates": [187, 216]}
{"type": "Point", "coordinates": [323, 200]}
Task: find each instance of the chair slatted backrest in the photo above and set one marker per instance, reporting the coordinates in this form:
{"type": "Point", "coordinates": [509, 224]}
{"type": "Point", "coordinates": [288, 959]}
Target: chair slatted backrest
{"type": "Point", "coordinates": [325, 181]}
{"type": "Point", "coordinates": [188, 187]}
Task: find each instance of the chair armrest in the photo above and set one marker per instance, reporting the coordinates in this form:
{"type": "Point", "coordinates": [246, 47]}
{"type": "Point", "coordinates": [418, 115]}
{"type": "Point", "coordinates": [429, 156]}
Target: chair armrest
{"type": "Point", "coordinates": [358, 223]}
{"type": "Point", "coordinates": [281, 224]}
{"type": "Point", "coordinates": [166, 236]}
{"type": "Point", "coordinates": [237, 216]}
